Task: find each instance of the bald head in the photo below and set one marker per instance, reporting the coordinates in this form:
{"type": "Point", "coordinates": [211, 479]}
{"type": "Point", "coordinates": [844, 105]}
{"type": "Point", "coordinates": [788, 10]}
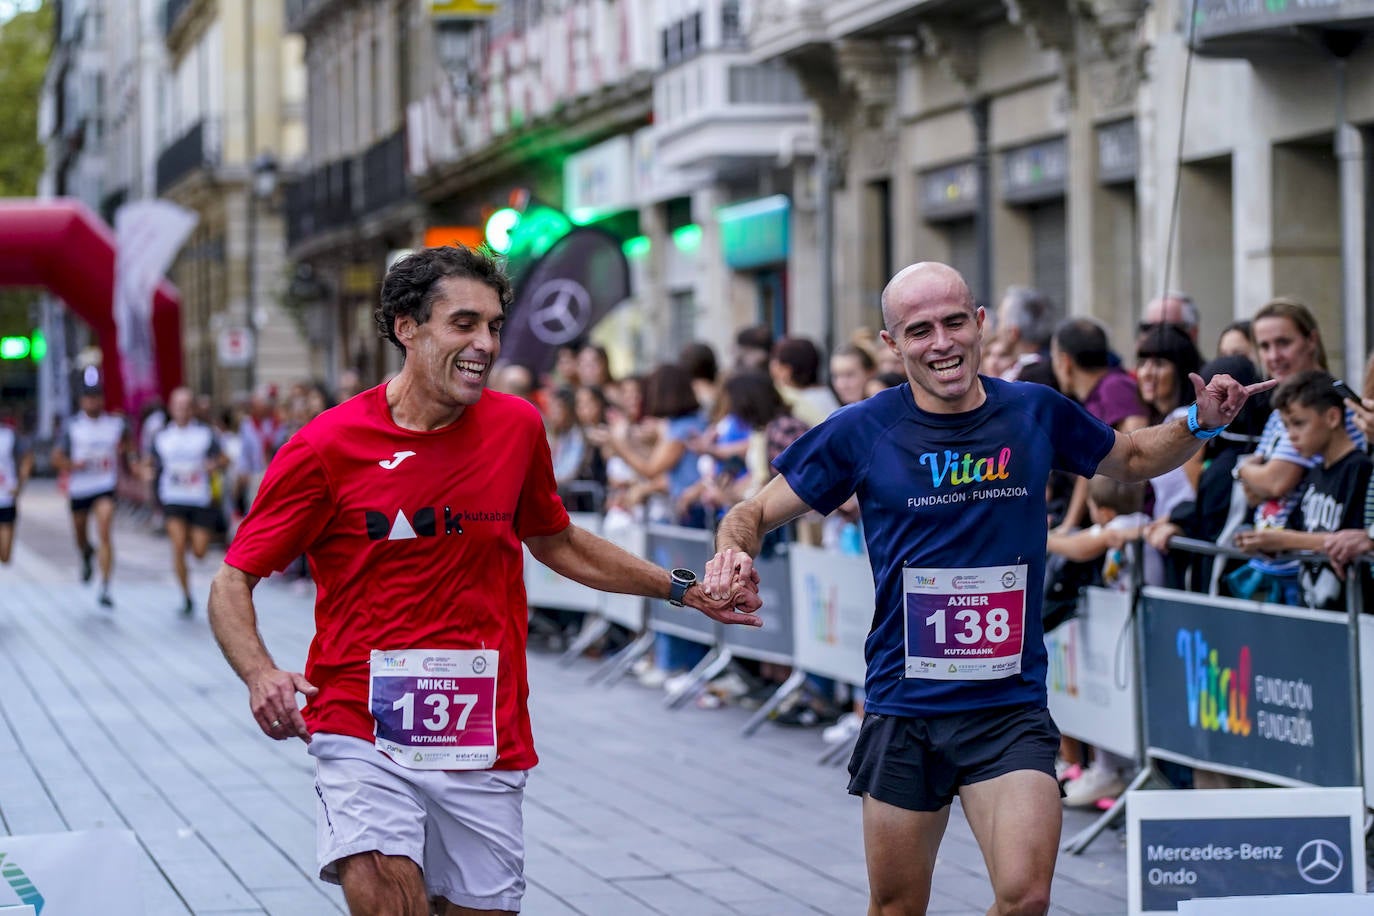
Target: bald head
{"type": "Point", "coordinates": [1173, 308]}
{"type": "Point", "coordinates": [924, 281]}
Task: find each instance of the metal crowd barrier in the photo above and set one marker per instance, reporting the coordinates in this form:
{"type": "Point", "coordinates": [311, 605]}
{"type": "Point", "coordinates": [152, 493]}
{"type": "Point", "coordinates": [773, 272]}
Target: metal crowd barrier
{"type": "Point", "coordinates": [1246, 688]}
{"type": "Point", "coordinates": [1241, 687]}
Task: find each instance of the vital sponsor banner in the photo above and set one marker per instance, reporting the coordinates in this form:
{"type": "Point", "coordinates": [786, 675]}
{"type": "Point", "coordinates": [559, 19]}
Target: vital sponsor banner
{"type": "Point", "coordinates": [1248, 688]}
{"type": "Point", "coordinates": [1092, 683]}
{"type": "Point", "coordinates": [85, 871]}
{"type": "Point", "coordinates": [1184, 845]}
{"type": "Point", "coordinates": [832, 612]}
{"type": "Point", "coordinates": [546, 588]}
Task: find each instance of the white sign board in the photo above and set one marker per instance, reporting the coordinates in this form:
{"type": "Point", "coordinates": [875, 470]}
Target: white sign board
{"type": "Point", "coordinates": [1092, 682]}
{"type": "Point", "coordinates": [546, 588]}
{"type": "Point", "coordinates": [1191, 844]}
{"type": "Point", "coordinates": [599, 180]}
{"type": "Point", "coordinates": [234, 347]}
{"type": "Point", "coordinates": [72, 874]}
{"type": "Point", "coordinates": [1325, 904]}
{"type": "Point", "coordinates": [832, 612]}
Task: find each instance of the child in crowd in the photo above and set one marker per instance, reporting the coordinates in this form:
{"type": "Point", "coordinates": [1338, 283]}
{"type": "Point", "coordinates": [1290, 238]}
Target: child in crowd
{"type": "Point", "coordinates": [1118, 523]}
{"type": "Point", "coordinates": [1114, 507]}
{"type": "Point", "coordinates": [1333, 490]}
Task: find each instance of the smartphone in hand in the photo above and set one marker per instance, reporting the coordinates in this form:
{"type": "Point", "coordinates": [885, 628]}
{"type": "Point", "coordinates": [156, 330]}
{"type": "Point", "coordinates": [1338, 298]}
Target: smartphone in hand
{"type": "Point", "coordinates": [1346, 392]}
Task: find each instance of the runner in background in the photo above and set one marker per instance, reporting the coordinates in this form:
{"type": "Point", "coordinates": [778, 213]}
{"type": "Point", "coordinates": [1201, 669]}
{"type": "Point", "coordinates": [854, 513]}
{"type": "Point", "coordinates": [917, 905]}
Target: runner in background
{"type": "Point", "coordinates": [90, 451]}
{"type": "Point", "coordinates": [16, 464]}
{"type": "Point", "coordinates": [184, 455]}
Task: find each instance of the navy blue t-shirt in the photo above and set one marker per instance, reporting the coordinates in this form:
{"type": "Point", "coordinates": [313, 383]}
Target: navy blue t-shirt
{"type": "Point", "coordinates": [948, 492]}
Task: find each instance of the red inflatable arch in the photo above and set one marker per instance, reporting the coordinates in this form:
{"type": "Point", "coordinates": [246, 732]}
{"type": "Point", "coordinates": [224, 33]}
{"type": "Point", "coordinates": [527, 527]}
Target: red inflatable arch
{"type": "Point", "coordinates": [62, 246]}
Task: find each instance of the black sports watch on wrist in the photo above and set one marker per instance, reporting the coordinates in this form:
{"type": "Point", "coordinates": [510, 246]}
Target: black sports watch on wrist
{"type": "Point", "coordinates": [682, 579]}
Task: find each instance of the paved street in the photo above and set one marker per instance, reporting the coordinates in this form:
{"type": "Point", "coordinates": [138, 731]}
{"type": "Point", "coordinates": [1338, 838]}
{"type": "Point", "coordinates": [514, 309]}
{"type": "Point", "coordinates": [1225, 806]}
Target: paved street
{"type": "Point", "coordinates": [132, 720]}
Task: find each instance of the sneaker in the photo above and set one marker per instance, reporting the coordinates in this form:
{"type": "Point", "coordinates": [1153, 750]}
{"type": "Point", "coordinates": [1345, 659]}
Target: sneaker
{"type": "Point", "coordinates": [729, 686]}
{"type": "Point", "coordinates": [1067, 772]}
{"type": "Point", "coordinates": [642, 666]}
{"type": "Point", "coordinates": [188, 607]}
{"type": "Point", "coordinates": [678, 683]}
{"type": "Point", "coordinates": [653, 678]}
{"type": "Point", "coordinates": [104, 600]}
{"type": "Point", "coordinates": [87, 570]}
{"type": "Point", "coordinates": [1096, 782]}
{"type": "Point", "coordinates": [844, 730]}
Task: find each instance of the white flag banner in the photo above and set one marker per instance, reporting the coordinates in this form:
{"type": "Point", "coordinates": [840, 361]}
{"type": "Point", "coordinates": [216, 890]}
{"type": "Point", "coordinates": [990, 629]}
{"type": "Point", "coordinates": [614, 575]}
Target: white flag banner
{"type": "Point", "coordinates": [72, 874]}
{"type": "Point", "coordinates": [148, 234]}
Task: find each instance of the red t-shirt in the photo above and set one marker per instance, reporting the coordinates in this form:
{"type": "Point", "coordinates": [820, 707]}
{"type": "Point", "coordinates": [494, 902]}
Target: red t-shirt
{"type": "Point", "coordinates": [414, 540]}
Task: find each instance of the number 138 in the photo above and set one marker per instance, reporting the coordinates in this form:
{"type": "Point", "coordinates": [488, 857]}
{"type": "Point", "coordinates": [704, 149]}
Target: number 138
{"type": "Point", "coordinates": [973, 627]}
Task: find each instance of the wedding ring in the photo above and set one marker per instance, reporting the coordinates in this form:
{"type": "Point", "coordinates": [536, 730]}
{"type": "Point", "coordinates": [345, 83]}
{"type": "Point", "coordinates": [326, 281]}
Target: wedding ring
{"type": "Point", "coordinates": [276, 723]}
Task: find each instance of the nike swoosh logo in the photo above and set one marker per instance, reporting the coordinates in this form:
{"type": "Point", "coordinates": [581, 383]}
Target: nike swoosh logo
{"type": "Point", "coordinates": [396, 459]}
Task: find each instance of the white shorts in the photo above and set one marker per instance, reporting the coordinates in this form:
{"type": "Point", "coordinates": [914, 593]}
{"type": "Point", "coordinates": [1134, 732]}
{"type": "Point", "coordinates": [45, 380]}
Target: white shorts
{"type": "Point", "coordinates": [464, 828]}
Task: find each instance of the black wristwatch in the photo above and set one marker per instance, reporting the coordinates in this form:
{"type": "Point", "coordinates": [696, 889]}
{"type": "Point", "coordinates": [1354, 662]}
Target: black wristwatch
{"type": "Point", "coordinates": [683, 579]}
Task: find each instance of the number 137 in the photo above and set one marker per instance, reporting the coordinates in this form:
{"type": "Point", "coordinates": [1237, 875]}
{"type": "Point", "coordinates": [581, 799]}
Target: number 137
{"type": "Point", "coordinates": [440, 702]}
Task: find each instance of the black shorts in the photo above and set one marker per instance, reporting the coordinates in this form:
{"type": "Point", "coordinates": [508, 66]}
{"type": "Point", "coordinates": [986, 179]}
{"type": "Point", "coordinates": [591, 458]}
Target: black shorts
{"type": "Point", "coordinates": [7, 515]}
{"type": "Point", "coordinates": [920, 764]}
{"type": "Point", "coordinates": [206, 517]}
{"type": "Point", "coordinates": [84, 503]}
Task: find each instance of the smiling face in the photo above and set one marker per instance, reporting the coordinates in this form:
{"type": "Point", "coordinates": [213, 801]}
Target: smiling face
{"type": "Point", "coordinates": [1158, 382]}
{"type": "Point", "coordinates": [1282, 347]}
{"type": "Point", "coordinates": [933, 325]}
{"type": "Point", "coordinates": [451, 354]}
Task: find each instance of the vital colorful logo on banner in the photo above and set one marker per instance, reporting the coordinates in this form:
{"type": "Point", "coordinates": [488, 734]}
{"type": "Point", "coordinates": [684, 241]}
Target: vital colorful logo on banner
{"type": "Point", "coordinates": [1255, 688]}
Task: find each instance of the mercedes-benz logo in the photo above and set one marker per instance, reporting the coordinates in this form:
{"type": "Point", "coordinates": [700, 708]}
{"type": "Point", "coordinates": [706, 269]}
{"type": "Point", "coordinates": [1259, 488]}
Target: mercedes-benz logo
{"type": "Point", "coordinates": [1320, 861]}
{"type": "Point", "coordinates": [560, 311]}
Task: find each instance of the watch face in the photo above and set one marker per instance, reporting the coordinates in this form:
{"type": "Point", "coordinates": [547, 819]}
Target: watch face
{"type": "Point", "coordinates": [685, 576]}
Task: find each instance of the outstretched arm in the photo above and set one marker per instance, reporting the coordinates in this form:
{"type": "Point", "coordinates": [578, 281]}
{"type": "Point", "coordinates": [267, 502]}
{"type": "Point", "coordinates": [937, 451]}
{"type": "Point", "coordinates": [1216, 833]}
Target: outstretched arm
{"type": "Point", "coordinates": [1151, 451]}
{"type": "Point", "coordinates": [597, 563]}
{"type": "Point", "coordinates": [271, 691]}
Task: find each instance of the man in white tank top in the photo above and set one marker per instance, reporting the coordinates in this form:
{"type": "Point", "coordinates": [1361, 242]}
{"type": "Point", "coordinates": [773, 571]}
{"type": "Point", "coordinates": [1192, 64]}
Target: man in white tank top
{"type": "Point", "coordinates": [91, 450]}
{"type": "Point", "coordinates": [184, 454]}
{"type": "Point", "coordinates": [16, 463]}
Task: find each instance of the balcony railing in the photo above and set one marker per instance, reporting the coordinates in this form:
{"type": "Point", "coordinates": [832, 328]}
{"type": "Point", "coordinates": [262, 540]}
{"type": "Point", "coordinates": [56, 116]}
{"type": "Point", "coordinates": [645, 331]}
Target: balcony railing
{"type": "Point", "coordinates": [337, 194]}
{"type": "Point", "coordinates": [196, 149]}
{"type": "Point", "coordinates": [384, 173]}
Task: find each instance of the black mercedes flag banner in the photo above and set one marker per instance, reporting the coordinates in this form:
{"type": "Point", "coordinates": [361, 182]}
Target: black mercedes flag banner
{"type": "Point", "coordinates": [563, 295]}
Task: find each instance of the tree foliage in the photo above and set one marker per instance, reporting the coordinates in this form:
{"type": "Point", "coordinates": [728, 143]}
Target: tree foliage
{"type": "Point", "coordinates": [25, 43]}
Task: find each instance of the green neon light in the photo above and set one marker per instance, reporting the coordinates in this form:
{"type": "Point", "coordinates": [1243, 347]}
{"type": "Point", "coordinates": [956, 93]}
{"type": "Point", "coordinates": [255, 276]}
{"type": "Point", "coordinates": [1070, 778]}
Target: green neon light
{"type": "Point", "coordinates": [14, 347]}
{"type": "Point", "coordinates": [637, 247]}
{"type": "Point", "coordinates": [39, 349]}
{"type": "Point", "coordinates": [500, 227]}
{"type": "Point", "coordinates": [687, 238]}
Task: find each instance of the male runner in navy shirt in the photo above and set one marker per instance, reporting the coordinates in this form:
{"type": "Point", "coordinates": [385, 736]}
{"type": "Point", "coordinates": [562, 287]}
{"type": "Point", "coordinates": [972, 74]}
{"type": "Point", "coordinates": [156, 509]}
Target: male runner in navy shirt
{"type": "Point", "coordinates": [950, 471]}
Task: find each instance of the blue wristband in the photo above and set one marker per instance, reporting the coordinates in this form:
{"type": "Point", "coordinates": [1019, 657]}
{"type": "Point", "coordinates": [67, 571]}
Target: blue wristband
{"type": "Point", "coordinates": [1197, 431]}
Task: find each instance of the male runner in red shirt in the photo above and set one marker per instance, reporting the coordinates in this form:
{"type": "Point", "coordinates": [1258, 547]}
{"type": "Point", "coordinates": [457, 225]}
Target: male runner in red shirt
{"type": "Point", "coordinates": [411, 502]}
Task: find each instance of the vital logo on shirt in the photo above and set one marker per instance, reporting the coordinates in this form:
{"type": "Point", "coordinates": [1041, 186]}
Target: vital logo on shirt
{"type": "Point", "coordinates": [949, 467]}
{"type": "Point", "coordinates": [424, 522]}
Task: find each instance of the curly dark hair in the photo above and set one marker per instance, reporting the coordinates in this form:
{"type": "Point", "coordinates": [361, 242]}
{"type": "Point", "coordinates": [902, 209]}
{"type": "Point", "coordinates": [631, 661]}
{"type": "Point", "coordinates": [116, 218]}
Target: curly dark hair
{"type": "Point", "coordinates": [410, 287]}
